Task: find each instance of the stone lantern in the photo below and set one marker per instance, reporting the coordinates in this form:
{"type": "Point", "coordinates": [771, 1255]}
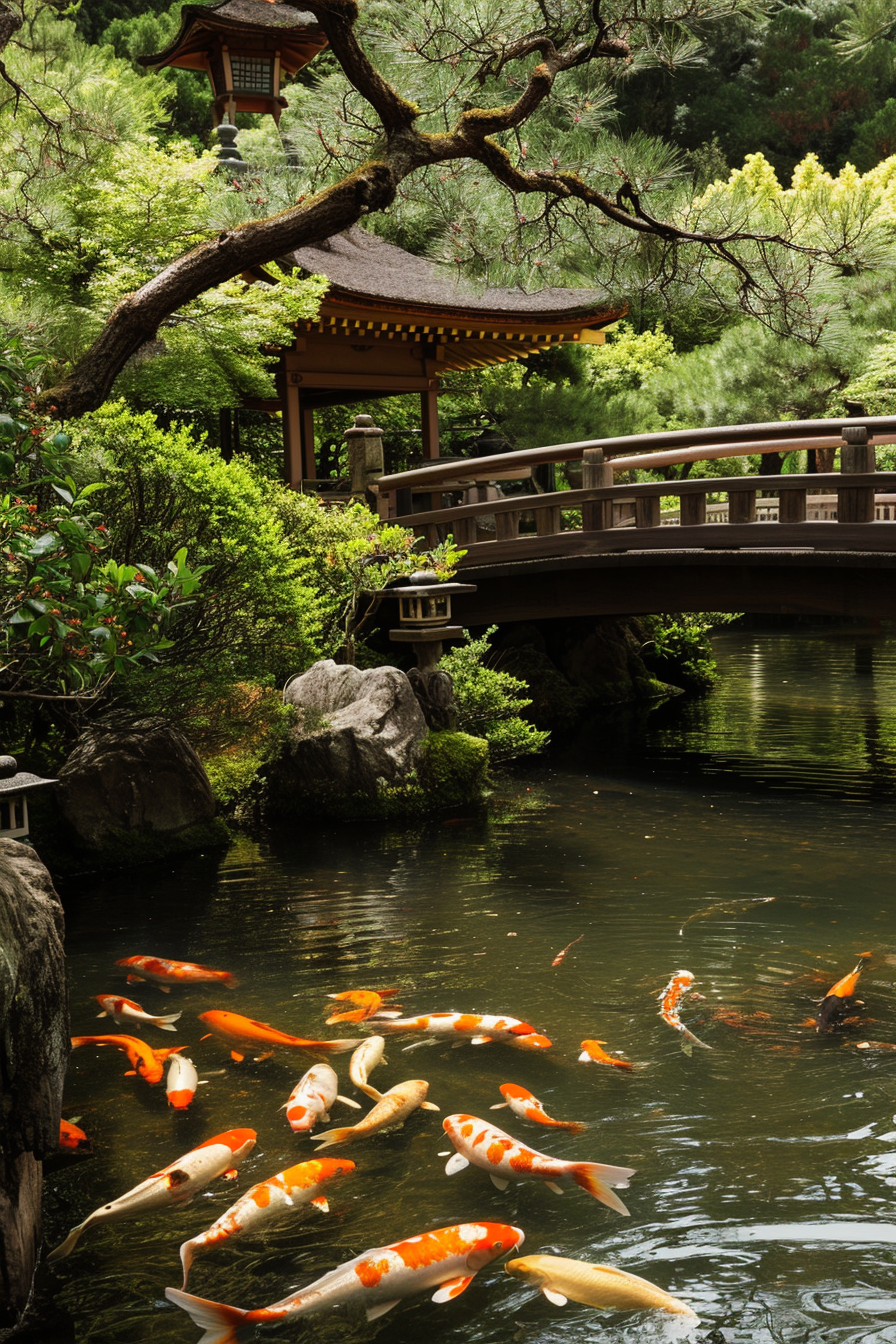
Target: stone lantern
{"type": "Point", "coordinates": [14, 785]}
{"type": "Point", "coordinates": [245, 47]}
{"type": "Point", "coordinates": [424, 610]}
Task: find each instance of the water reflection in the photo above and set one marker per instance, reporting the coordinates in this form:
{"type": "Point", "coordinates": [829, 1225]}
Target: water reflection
{"type": "Point", "coordinates": [765, 1167]}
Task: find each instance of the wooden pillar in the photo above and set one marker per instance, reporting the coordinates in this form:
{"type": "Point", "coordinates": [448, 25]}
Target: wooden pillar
{"type": "Point", "coordinates": [292, 436]}
{"type": "Point", "coordinates": [429, 410]}
{"type": "Point", "coordinates": [856, 457]}
{"type": "Point", "coordinates": [309, 466]}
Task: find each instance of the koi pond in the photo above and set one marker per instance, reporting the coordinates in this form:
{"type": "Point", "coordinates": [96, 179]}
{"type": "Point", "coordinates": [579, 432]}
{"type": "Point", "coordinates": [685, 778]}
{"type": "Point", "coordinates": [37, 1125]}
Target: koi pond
{"type": "Point", "coordinates": [749, 838]}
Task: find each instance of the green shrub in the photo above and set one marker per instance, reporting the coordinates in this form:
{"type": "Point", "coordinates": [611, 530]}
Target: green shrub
{"type": "Point", "coordinates": [258, 618]}
{"type": "Point", "coordinates": [489, 701]}
{"type": "Point", "coordinates": [453, 769]}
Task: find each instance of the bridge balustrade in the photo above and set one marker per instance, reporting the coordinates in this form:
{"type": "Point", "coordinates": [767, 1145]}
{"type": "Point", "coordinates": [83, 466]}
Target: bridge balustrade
{"type": "Point", "coordinates": [853, 509]}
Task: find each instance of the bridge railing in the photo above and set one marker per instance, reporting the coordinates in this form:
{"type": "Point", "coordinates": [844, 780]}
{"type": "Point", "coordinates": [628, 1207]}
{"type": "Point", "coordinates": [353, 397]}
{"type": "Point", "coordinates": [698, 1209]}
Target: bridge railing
{"type": "Point", "coordinates": [602, 515]}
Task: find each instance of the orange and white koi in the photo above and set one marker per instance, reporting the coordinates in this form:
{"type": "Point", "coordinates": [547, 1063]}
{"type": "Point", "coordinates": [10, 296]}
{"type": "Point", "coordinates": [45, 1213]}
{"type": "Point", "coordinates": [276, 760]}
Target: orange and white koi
{"type": "Point", "coordinates": [839, 999]}
{"type": "Point", "coordinates": [593, 1053]}
{"type": "Point", "coordinates": [164, 972]}
{"type": "Point", "coordinates": [363, 1062]}
{"type": "Point", "coordinates": [312, 1097]}
{"type": "Point", "coordinates": [391, 1110]}
{"type": "Point", "coordinates": [173, 1186]}
{"type": "Point", "coordinates": [506, 1159]}
{"type": "Point", "coordinates": [124, 1011]}
{"type": "Point", "coordinates": [447, 1259]}
{"type": "Point", "coordinates": [670, 1000]}
{"type": "Point", "coordinates": [147, 1063]}
{"type": "Point", "coordinates": [243, 1034]}
{"type": "Point", "coordinates": [560, 955]}
{"type": "Point", "coordinates": [524, 1104]}
{"type": "Point", "coordinates": [370, 1004]}
{"type": "Point", "coordinates": [72, 1139]}
{"type": "Point", "coordinates": [181, 1083]}
{"type": "Point", "coordinates": [268, 1202]}
{"type": "Point", "coordinates": [477, 1029]}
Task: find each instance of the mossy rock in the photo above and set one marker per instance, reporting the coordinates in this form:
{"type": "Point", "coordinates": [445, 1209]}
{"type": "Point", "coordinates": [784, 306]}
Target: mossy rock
{"type": "Point", "coordinates": [453, 769]}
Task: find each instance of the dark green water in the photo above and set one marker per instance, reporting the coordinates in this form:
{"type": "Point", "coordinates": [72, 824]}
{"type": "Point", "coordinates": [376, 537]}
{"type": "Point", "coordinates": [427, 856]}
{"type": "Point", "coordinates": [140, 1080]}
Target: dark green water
{"type": "Point", "coordinates": [766, 1167]}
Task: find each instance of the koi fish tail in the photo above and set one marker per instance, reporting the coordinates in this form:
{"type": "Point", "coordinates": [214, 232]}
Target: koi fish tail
{"type": "Point", "coordinates": [689, 1040]}
{"type": "Point", "coordinates": [571, 1126]}
{"type": "Point", "coordinates": [69, 1244]}
{"type": "Point", "coordinates": [357, 1015]}
{"type": "Point", "coordinates": [187, 1255]}
{"type": "Point", "coordinates": [167, 1023]}
{"type": "Point", "coordinates": [222, 1324]}
{"type": "Point", "coordinates": [331, 1136]}
{"type": "Point", "coordinates": [339, 1047]}
{"type": "Point", "coordinates": [595, 1179]}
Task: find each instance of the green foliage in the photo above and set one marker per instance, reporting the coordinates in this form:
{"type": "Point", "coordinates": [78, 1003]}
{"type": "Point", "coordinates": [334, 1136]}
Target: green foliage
{"type": "Point", "coordinates": [71, 616]}
{"type": "Point", "coordinates": [453, 769]}
{"type": "Point", "coordinates": [490, 701]}
{"type": "Point", "coordinates": [349, 556]}
{"type": "Point", "coordinates": [143, 34]}
{"type": "Point", "coordinates": [259, 618]}
{"type": "Point", "coordinates": [680, 651]}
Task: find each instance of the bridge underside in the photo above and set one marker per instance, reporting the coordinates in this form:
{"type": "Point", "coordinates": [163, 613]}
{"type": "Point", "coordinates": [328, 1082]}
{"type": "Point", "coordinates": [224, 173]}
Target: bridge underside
{"type": "Point", "coordinates": [635, 583]}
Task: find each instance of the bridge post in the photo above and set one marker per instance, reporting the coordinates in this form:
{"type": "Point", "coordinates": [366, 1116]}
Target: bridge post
{"type": "Point", "coordinates": [596, 475]}
{"type": "Point", "coordinates": [856, 456]}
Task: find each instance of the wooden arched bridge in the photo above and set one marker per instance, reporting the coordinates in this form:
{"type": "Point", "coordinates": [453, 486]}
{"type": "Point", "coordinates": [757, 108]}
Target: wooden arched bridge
{"type": "Point", "coordinates": [823, 543]}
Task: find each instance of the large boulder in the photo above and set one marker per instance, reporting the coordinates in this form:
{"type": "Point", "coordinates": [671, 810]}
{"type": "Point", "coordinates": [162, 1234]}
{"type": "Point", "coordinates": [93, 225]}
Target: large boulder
{"type": "Point", "coordinates": [34, 1049]}
{"type": "Point", "coordinates": [355, 731]}
{"type": "Point", "coordinates": [136, 779]}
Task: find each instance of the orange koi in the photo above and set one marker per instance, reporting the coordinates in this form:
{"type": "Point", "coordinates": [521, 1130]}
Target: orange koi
{"type": "Point", "coordinates": [506, 1159]}
{"type": "Point", "coordinates": [524, 1104]}
{"type": "Point", "coordinates": [670, 999]}
{"type": "Point", "coordinates": [560, 955]}
{"type": "Point", "coordinates": [593, 1053]}
{"type": "Point", "coordinates": [838, 1001]}
{"type": "Point", "coordinates": [267, 1203]}
{"type": "Point", "coordinates": [243, 1034]}
{"type": "Point", "coordinates": [477, 1029]}
{"type": "Point", "coordinates": [370, 1003]}
{"type": "Point", "coordinates": [173, 1186]}
{"type": "Point", "coordinates": [73, 1139]}
{"type": "Point", "coordinates": [146, 1062]}
{"type": "Point", "coordinates": [165, 973]}
{"type": "Point", "coordinates": [447, 1259]}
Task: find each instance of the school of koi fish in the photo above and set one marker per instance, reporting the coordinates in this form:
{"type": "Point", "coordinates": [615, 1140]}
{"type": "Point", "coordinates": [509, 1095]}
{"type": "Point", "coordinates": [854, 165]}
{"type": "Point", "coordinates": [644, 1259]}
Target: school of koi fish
{"type": "Point", "coordinates": [445, 1259]}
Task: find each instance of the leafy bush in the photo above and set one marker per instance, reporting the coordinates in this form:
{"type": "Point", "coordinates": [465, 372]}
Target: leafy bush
{"type": "Point", "coordinates": [489, 701]}
{"type": "Point", "coordinates": [348, 555]}
{"type": "Point", "coordinates": [259, 620]}
{"type": "Point", "coordinates": [71, 618]}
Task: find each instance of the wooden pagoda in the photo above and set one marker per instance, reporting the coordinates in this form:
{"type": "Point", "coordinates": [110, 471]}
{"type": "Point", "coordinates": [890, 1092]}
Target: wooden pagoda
{"type": "Point", "coordinates": [391, 323]}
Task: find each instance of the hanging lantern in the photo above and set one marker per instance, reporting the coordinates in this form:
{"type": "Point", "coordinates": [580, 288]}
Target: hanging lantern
{"type": "Point", "coordinates": [245, 47]}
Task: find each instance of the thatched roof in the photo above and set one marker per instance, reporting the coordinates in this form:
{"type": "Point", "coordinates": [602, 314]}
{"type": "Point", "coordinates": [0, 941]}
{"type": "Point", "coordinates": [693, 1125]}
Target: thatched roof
{"type": "Point", "coordinates": [361, 264]}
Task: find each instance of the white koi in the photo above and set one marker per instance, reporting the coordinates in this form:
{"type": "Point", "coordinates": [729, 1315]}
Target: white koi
{"type": "Point", "coordinates": [173, 1186]}
{"type": "Point", "coordinates": [181, 1082]}
{"type": "Point", "coordinates": [363, 1062]}
{"type": "Point", "coordinates": [311, 1098]}
{"type": "Point", "coordinates": [124, 1011]}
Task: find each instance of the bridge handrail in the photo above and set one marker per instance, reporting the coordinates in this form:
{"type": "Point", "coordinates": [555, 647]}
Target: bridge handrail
{"type": "Point", "coordinates": [682, 445]}
{"type": "Point", "coordinates": [625, 494]}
